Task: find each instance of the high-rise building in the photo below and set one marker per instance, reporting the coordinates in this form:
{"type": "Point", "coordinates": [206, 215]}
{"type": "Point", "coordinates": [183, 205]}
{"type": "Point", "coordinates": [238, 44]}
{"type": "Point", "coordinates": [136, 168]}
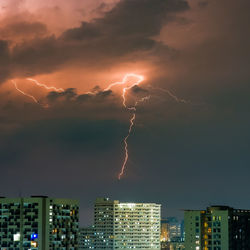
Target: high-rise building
{"type": "Point", "coordinates": [126, 225]}
{"type": "Point", "coordinates": [217, 228]}
{"type": "Point", "coordinates": [164, 230]}
{"type": "Point", "coordinates": [87, 238]}
{"type": "Point", "coordinates": [38, 222]}
{"type": "Point", "coordinates": [171, 229]}
{"type": "Point", "coordinates": [173, 245]}
{"type": "Point", "coordinates": [174, 228]}
{"type": "Point", "coordinates": [104, 223]}
{"type": "Point", "coordinates": [171, 234]}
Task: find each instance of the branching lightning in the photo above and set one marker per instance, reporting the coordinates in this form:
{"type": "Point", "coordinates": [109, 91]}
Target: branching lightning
{"type": "Point", "coordinates": [137, 80]}
{"type": "Point", "coordinates": [133, 108]}
{"type": "Point", "coordinates": [28, 95]}
{"type": "Point", "coordinates": [45, 86]}
{"type": "Point", "coordinates": [39, 85]}
{"type": "Point", "coordinates": [177, 99]}
{"type": "Point", "coordinates": [132, 123]}
{"type": "Point", "coordinates": [132, 120]}
{"type": "Point", "coordinates": [125, 80]}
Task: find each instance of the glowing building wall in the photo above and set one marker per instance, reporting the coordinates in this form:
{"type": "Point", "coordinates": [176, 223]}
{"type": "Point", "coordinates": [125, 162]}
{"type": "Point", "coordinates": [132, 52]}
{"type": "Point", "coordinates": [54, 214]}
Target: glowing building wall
{"type": "Point", "coordinates": [127, 225]}
{"type": "Point", "coordinates": [164, 230]}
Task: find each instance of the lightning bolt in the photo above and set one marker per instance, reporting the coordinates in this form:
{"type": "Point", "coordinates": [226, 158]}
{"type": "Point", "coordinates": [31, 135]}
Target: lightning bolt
{"type": "Point", "coordinates": [132, 120]}
{"type": "Point", "coordinates": [125, 141]}
{"type": "Point", "coordinates": [133, 108]}
{"type": "Point", "coordinates": [45, 86]}
{"type": "Point", "coordinates": [143, 99]}
{"type": "Point", "coordinates": [39, 85]}
{"type": "Point", "coordinates": [125, 80]}
{"type": "Point", "coordinates": [177, 99]}
{"type": "Point", "coordinates": [138, 79]}
{"type": "Point", "coordinates": [28, 95]}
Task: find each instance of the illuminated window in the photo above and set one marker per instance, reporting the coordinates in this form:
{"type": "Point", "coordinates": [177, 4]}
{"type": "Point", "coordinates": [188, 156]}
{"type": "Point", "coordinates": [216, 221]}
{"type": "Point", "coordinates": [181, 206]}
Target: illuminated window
{"type": "Point", "coordinates": [17, 237]}
{"type": "Point", "coordinates": [34, 244]}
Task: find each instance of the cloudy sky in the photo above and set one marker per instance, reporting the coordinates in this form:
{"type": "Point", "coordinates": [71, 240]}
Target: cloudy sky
{"type": "Point", "coordinates": [184, 155]}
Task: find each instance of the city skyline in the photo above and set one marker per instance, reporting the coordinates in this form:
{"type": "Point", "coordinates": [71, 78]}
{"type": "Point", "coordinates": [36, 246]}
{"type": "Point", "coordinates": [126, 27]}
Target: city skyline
{"type": "Point", "coordinates": [43, 222]}
{"type": "Point", "coordinates": [38, 222]}
{"type": "Point", "coordinates": [181, 110]}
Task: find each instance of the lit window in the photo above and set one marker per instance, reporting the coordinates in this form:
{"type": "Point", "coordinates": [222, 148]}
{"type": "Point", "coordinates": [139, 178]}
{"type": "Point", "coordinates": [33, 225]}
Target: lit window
{"type": "Point", "coordinates": [34, 244]}
{"type": "Point", "coordinates": [17, 237]}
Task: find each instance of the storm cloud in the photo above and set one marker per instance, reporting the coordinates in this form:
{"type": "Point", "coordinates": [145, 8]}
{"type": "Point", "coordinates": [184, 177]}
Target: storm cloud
{"type": "Point", "coordinates": [197, 50]}
{"type": "Point", "coordinates": [126, 29]}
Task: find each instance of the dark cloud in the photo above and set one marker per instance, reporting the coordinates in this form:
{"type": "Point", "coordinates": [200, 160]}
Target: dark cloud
{"type": "Point", "coordinates": [84, 97]}
{"type": "Point", "coordinates": [78, 154]}
{"type": "Point", "coordinates": [125, 29]}
{"type": "Point", "coordinates": [67, 94]}
{"type": "Point", "coordinates": [4, 50]}
{"type": "Point", "coordinates": [23, 30]}
{"type": "Point", "coordinates": [203, 4]}
{"type": "Point", "coordinates": [4, 61]}
{"type": "Point", "coordinates": [105, 93]}
{"type": "Point", "coordinates": [37, 56]}
{"type": "Point", "coordinates": [125, 21]}
{"type": "Point", "coordinates": [81, 136]}
{"type": "Point", "coordinates": [137, 90]}
{"type": "Point", "coordinates": [70, 94]}
{"type": "Point", "coordinates": [64, 132]}
{"type": "Point", "coordinates": [98, 104]}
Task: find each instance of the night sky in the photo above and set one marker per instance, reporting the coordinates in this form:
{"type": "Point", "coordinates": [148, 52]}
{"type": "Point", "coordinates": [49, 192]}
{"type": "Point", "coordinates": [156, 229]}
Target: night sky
{"type": "Point", "coordinates": [183, 154]}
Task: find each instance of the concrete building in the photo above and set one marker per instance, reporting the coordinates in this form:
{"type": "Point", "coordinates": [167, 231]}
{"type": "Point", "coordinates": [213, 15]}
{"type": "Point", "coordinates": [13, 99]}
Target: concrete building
{"type": "Point", "coordinates": [217, 228]}
{"type": "Point", "coordinates": [172, 234]}
{"type": "Point", "coordinates": [171, 229]}
{"type": "Point", "coordinates": [87, 238]}
{"type": "Point", "coordinates": [173, 245]}
{"type": "Point", "coordinates": [39, 223]}
{"type": "Point", "coordinates": [126, 225]}
{"type": "Point", "coordinates": [164, 230]}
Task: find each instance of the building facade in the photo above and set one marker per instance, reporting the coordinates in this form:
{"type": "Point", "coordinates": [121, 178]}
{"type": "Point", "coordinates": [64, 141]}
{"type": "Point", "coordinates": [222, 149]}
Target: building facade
{"type": "Point", "coordinates": [87, 238]}
{"type": "Point", "coordinates": [126, 225]}
{"type": "Point", "coordinates": [173, 245]}
{"type": "Point", "coordinates": [171, 229]}
{"type": "Point", "coordinates": [172, 237]}
{"type": "Point", "coordinates": [217, 228]}
{"type": "Point", "coordinates": [38, 222]}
